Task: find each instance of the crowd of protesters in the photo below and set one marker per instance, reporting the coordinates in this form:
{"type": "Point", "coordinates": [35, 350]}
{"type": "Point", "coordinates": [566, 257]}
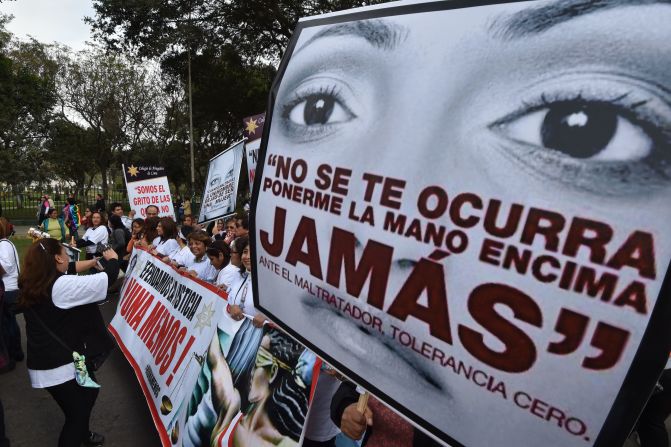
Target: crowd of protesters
{"type": "Point", "coordinates": [60, 307]}
{"type": "Point", "coordinates": [61, 316]}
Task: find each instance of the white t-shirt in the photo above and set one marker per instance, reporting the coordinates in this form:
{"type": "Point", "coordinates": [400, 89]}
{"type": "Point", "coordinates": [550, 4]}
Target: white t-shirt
{"type": "Point", "coordinates": [204, 268]}
{"type": "Point", "coordinates": [95, 235]}
{"type": "Point", "coordinates": [69, 291]}
{"type": "Point", "coordinates": [240, 293]}
{"type": "Point", "coordinates": [127, 222]}
{"type": "Point", "coordinates": [182, 255]}
{"type": "Point", "coordinates": [9, 259]}
{"type": "Point", "coordinates": [166, 248]}
{"type": "Point", "coordinates": [227, 275]}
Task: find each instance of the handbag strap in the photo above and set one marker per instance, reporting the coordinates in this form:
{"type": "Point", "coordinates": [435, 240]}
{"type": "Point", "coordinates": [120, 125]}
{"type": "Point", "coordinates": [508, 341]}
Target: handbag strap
{"type": "Point", "coordinates": [50, 332]}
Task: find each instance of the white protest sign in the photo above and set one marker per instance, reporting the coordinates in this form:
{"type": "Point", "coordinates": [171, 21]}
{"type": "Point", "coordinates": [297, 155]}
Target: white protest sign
{"type": "Point", "coordinates": [200, 369]}
{"type": "Point", "coordinates": [164, 325]}
{"type": "Point", "coordinates": [465, 210]}
{"type": "Point", "coordinates": [221, 188]}
{"type": "Point", "coordinates": [148, 185]}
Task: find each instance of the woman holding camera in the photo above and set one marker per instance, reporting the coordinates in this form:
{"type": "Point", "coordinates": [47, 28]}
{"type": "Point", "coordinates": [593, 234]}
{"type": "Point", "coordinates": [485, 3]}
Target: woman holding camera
{"type": "Point", "coordinates": [62, 317]}
{"type": "Point", "coordinates": [96, 234]}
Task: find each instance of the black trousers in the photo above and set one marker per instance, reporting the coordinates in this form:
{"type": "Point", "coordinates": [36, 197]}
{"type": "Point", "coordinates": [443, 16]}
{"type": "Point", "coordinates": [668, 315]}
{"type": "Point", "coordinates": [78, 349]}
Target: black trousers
{"type": "Point", "coordinates": [4, 442]}
{"type": "Point", "coordinates": [10, 328]}
{"type": "Point", "coordinates": [76, 402]}
{"type": "Point", "coordinates": [651, 429]}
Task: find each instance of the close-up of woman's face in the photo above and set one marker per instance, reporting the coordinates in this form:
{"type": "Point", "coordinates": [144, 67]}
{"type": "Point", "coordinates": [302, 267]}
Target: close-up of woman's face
{"type": "Point", "coordinates": [96, 219]}
{"type": "Point", "coordinates": [543, 104]}
{"type": "Point", "coordinates": [494, 96]}
{"type": "Point", "coordinates": [137, 228]}
{"type": "Point", "coordinates": [159, 229]}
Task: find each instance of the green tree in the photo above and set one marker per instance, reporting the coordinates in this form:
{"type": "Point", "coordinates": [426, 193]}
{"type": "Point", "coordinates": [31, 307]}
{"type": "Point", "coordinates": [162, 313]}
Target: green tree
{"type": "Point", "coordinates": [152, 28]}
{"type": "Point", "coordinates": [27, 96]}
{"type": "Point", "coordinates": [233, 48]}
{"type": "Point", "coordinates": [68, 156]}
{"type": "Point", "coordinates": [115, 99]}
{"type": "Point", "coordinates": [225, 89]}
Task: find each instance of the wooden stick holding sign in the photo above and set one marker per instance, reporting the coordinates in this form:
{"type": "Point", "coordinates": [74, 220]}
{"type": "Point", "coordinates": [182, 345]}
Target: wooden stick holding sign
{"type": "Point", "coordinates": [363, 402]}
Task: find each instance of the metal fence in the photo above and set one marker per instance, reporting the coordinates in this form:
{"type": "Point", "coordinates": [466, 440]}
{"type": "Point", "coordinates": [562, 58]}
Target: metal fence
{"type": "Point", "coordinates": [21, 206]}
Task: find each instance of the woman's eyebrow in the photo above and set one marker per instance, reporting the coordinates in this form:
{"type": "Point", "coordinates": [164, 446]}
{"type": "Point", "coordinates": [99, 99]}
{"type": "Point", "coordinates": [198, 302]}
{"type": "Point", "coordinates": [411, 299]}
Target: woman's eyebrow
{"type": "Point", "coordinates": [540, 19]}
{"type": "Point", "coordinates": [379, 33]}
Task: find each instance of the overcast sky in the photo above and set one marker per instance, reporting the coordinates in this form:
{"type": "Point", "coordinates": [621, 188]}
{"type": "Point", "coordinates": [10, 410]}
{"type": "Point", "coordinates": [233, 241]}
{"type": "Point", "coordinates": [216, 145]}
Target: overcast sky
{"type": "Point", "coordinates": [50, 20]}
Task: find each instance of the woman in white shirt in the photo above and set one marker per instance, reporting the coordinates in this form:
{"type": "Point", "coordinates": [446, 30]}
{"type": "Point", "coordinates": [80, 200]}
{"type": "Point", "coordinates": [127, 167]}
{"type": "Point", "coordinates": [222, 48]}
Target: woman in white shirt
{"type": "Point", "coordinates": [62, 317]}
{"type": "Point", "coordinates": [240, 295]}
{"type": "Point", "coordinates": [220, 255]}
{"type": "Point", "coordinates": [233, 267]}
{"type": "Point", "coordinates": [96, 234]}
{"type": "Point", "coordinates": [165, 244]}
{"type": "Point", "coordinates": [197, 263]}
{"type": "Point", "coordinates": [184, 249]}
{"type": "Point", "coordinates": [9, 270]}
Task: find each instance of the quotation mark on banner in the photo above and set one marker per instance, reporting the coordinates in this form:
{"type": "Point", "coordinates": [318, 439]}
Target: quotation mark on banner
{"type": "Point", "coordinates": [272, 160]}
{"type": "Point", "coordinates": [608, 339]}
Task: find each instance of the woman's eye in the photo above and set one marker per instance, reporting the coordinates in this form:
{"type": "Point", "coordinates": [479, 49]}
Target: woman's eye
{"type": "Point", "coordinates": [582, 130]}
{"type": "Point", "coordinates": [318, 110]}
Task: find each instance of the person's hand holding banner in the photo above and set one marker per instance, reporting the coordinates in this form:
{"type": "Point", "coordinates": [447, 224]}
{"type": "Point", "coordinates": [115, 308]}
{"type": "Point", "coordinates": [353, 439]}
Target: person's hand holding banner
{"type": "Point", "coordinates": [354, 422]}
{"type": "Point", "coordinates": [236, 312]}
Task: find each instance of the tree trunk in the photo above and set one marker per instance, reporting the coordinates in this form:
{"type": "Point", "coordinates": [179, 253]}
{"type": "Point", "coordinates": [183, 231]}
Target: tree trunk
{"type": "Point", "coordinates": [105, 186]}
{"type": "Point", "coordinates": [19, 197]}
{"type": "Point", "coordinates": [87, 188]}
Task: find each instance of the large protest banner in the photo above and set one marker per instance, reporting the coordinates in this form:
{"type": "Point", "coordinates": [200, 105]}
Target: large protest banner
{"type": "Point", "coordinates": [465, 209]}
{"type": "Point", "coordinates": [221, 188]}
{"type": "Point", "coordinates": [148, 185]}
{"type": "Point", "coordinates": [253, 131]}
{"type": "Point", "coordinates": [204, 375]}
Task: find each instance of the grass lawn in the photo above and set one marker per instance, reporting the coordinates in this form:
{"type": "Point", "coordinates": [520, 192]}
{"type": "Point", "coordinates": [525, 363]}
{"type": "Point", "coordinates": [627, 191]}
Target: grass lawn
{"type": "Point", "coordinates": [22, 243]}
